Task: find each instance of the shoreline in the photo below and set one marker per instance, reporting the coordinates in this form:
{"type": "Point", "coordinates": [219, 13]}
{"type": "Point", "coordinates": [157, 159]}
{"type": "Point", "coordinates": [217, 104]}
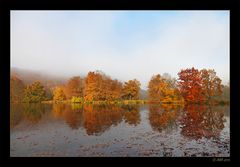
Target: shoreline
{"type": "Point", "coordinates": [129, 102]}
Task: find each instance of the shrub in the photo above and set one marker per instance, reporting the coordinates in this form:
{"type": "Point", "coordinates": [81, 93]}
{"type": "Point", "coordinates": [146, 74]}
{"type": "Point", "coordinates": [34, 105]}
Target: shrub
{"type": "Point", "coordinates": [76, 99]}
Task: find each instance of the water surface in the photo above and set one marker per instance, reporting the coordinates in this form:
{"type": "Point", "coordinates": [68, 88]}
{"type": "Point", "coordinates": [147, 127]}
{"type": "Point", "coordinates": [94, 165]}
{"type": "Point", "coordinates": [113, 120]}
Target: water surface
{"type": "Point", "coordinates": [111, 130]}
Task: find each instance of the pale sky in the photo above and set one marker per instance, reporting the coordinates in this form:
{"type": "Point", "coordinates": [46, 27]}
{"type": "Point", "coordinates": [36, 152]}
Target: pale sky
{"type": "Point", "coordinates": [123, 44]}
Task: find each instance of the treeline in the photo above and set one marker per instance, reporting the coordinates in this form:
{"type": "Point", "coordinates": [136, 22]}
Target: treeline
{"type": "Point", "coordinates": [192, 86]}
{"type": "Point", "coordinates": [95, 87]}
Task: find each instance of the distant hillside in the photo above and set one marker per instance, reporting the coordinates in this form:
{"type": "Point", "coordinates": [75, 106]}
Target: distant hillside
{"type": "Point", "coordinates": [28, 77]}
{"type": "Point", "coordinates": [16, 89]}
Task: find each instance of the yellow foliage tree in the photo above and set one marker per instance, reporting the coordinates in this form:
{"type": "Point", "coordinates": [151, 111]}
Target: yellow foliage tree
{"type": "Point", "coordinates": [58, 94]}
{"type": "Point", "coordinates": [161, 89]}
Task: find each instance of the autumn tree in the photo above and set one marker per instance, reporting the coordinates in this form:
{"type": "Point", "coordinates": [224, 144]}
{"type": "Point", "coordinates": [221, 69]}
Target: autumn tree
{"type": "Point", "coordinates": [16, 89]}
{"type": "Point", "coordinates": [211, 84]}
{"type": "Point", "coordinates": [93, 86]}
{"type": "Point", "coordinates": [34, 93]}
{"type": "Point", "coordinates": [154, 86]}
{"type": "Point", "coordinates": [58, 94]}
{"type": "Point", "coordinates": [131, 90]}
{"type": "Point", "coordinates": [163, 89]}
{"type": "Point", "coordinates": [114, 89]}
{"type": "Point", "coordinates": [101, 87]}
{"type": "Point", "coordinates": [74, 87]}
{"type": "Point", "coordinates": [190, 85]}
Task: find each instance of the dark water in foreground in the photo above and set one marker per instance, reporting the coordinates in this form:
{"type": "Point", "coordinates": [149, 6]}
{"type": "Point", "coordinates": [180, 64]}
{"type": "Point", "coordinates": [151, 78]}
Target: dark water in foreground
{"type": "Point", "coordinates": [133, 130]}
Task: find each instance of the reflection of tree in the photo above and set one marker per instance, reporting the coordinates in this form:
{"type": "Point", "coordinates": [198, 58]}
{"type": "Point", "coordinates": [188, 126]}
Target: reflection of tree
{"type": "Point", "coordinates": [73, 117]}
{"type": "Point", "coordinates": [163, 116]}
{"type": "Point", "coordinates": [71, 114]}
{"type": "Point", "coordinates": [58, 110]}
{"type": "Point", "coordinates": [16, 114]}
{"type": "Point", "coordinates": [33, 112]}
{"type": "Point", "coordinates": [202, 121]}
{"type": "Point", "coordinates": [99, 118]}
{"type": "Point", "coordinates": [77, 107]}
{"type": "Point", "coordinates": [131, 114]}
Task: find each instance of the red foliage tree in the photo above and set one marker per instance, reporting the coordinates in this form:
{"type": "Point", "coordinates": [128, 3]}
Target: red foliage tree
{"type": "Point", "coordinates": [190, 85]}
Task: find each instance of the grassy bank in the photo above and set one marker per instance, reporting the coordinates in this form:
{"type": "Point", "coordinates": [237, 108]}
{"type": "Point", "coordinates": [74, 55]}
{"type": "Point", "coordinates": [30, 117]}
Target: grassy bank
{"type": "Point", "coordinates": [132, 102]}
{"type": "Point", "coordinates": [99, 102]}
{"type": "Point", "coordinates": [117, 102]}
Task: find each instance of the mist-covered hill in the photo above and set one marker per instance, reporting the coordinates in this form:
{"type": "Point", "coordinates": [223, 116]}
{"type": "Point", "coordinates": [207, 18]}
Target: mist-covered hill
{"type": "Point", "coordinates": [28, 77]}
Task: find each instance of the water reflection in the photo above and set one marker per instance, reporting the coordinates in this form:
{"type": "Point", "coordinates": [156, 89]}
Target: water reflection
{"type": "Point", "coordinates": [196, 121]}
{"type": "Point", "coordinates": [202, 121]}
{"type": "Point", "coordinates": [164, 117]}
{"type": "Point", "coordinates": [30, 112]}
{"type": "Point", "coordinates": [16, 114]}
{"type": "Point", "coordinates": [33, 112]}
{"type": "Point", "coordinates": [98, 119]}
{"type": "Point", "coordinates": [72, 114]}
{"type": "Point", "coordinates": [131, 114]}
{"type": "Point", "coordinates": [57, 110]}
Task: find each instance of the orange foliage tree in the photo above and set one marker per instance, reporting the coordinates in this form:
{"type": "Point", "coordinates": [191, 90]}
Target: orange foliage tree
{"type": "Point", "coordinates": [114, 89]}
{"type": "Point", "coordinates": [211, 86]}
{"type": "Point", "coordinates": [131, 90]}
{"type": "Point", "coordinates": [98, 86]}
{"type": "Point", "coordinates": [74, 87]}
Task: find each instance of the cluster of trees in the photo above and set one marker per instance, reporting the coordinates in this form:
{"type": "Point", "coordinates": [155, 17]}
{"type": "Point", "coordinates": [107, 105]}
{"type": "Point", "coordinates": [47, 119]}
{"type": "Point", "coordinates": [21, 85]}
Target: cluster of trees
{"type": "Point", "coordinates": [22, 92]}
{"type": "Point", "coordinates": [192, 86]}
{"type": "Point", "coordinates": [34, 93]}
{"type": "Point", "coordinates": [198, 86]}
{"type": "Point", "coordinates": [97, 87]}
{"type": "Point", "coordinates": [164, 89]}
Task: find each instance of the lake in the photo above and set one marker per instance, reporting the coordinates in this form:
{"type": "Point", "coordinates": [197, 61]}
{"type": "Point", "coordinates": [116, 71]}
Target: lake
{"type": "Point", "coordinates": [73, 130]}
